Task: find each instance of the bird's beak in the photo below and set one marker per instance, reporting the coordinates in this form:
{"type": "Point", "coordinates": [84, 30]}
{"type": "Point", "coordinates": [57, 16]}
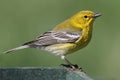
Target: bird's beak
{"type": "Point", "coordinates": [96, 15]}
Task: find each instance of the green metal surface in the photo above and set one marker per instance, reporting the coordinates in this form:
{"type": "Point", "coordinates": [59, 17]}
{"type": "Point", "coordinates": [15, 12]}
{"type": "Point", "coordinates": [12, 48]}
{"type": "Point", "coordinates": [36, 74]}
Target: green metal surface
{"type": "Point", "coordinates": [42, 73]}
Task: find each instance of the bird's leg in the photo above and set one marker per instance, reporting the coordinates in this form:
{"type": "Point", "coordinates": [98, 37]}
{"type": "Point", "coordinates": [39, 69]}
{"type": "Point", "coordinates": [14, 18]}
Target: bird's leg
{"type": "Point", "coordinates": [69, 64]}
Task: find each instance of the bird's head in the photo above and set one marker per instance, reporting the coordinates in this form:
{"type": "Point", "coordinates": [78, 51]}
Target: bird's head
{"type": "Point", "coordinates": [84, 18]}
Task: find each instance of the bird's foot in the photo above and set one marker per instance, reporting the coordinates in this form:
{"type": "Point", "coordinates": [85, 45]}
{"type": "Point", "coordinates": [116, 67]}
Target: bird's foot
{"type": "Point", "coordinates": [73, 66]}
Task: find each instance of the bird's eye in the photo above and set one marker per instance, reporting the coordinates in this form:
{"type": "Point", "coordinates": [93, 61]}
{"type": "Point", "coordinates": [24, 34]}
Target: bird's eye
{"type": "Point", "coordinates": [85, 16]}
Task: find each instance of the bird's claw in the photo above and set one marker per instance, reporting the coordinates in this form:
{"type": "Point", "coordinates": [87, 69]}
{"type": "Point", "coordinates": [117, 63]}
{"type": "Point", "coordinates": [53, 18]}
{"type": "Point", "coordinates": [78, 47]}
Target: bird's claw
{"type": "Point", "coordinates": [73, 66]}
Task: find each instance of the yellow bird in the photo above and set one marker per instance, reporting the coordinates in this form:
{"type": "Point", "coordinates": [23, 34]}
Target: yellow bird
{"type": "Point", "coordinates": [67, 37]}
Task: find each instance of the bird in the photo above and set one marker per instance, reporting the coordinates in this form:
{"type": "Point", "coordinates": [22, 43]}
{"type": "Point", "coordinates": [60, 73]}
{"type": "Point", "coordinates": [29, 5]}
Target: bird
{"type": "Point", "coordinates": [67, 37]}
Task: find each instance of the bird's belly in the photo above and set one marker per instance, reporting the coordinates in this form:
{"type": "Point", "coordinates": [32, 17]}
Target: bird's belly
{"type": "Point", "coordinates": [66, 48]}
{"type": "Point", "coordinates": [60, 49]}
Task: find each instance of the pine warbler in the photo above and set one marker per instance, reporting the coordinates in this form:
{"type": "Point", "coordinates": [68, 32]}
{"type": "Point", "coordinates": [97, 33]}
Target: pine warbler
{"type": "Point", "coordinates": [67, 37]}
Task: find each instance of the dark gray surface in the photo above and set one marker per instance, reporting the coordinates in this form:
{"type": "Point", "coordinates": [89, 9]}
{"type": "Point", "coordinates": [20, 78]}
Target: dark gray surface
{"type": "Point", "coordinates": [42, 73]}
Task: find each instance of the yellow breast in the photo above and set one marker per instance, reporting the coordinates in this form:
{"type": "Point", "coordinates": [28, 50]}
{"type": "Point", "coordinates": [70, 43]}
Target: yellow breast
{"type": "Point", "coordinates": [85, 38]}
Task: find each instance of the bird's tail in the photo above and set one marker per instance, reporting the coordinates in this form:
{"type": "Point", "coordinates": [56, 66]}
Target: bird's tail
{"type": "Point", "coordinates": [17, 48]}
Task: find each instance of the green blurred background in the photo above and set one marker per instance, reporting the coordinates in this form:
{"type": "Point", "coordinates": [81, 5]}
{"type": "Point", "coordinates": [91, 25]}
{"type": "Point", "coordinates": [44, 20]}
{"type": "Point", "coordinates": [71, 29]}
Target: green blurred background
{"type": "Point", "coordinates": [23, 20]}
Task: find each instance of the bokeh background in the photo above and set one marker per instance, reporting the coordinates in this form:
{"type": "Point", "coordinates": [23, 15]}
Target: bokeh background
{"type": "Point", "coordinates": [24, 20]}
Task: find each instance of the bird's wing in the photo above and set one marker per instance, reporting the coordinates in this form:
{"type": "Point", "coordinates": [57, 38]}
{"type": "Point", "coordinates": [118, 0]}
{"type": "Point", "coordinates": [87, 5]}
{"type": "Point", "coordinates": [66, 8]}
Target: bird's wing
{"type": "Point", "coordinates": [53, 37]}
